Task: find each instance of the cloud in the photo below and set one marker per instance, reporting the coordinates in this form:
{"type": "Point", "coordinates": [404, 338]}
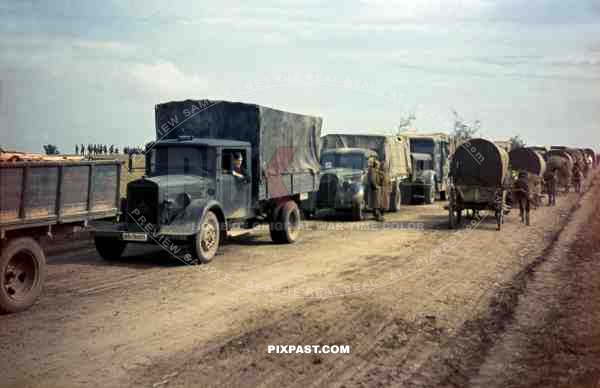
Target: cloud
{"type": "Point", "coordinates": [166, 79]}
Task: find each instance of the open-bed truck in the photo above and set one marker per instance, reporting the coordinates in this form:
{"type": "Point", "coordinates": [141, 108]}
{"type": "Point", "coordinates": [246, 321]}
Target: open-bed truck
{"type": "Point", "coordinates": [40, 201]}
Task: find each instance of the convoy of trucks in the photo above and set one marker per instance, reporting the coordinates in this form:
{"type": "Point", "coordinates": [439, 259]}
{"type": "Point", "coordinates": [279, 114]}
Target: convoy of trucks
{"type": "Point", "coordinates": [344, 164]}
{"type": "Point", "coordinates": [216, 165]}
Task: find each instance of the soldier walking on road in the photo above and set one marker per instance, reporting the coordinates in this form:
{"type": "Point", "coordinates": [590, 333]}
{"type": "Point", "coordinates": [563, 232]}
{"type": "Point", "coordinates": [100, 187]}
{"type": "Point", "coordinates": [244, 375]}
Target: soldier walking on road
{"type": "Point", "coordinates": [521, 196]}
{"type": "Point", "coordinates": [551, 179]}
{"type": "Point", "coordinates": [375, 183]}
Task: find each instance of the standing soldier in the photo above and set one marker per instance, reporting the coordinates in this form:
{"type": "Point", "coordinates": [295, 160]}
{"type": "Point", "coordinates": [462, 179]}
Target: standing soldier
{"type": "Point", "coordinates": [521, 196]}
{"type": "Point", "coordinates": [76, 149]}
{"type": "Point", "coordinates": [82, 150]}
{"type": "Point", "coordinates": [374, 179]}
{"type": "Point", "coordinates": [105, 149]}
{"type": "Point", "coordinates": [550, 179]}
{"type": "Point", "coordinates": [89, 148]}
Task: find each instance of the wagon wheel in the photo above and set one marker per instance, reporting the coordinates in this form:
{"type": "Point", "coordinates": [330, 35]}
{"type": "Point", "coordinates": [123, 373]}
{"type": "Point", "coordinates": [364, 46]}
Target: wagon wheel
{"type": "Point", "coordinates": [451, 218]}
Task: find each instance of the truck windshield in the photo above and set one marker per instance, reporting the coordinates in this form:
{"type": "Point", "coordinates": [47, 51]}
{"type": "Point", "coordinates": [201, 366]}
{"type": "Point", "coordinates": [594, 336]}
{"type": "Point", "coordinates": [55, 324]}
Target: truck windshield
{"type": "Point", "coordinates": [421, 146]}
{"type": "Point", "coordinates": [355, 161]}
{"type": "Point", "coordinates": [181, 160]}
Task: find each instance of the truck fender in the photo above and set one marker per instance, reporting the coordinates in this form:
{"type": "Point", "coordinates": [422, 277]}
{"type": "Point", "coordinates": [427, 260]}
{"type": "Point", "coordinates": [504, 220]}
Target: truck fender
{"type": "Point", "coordinates": [194, 213]}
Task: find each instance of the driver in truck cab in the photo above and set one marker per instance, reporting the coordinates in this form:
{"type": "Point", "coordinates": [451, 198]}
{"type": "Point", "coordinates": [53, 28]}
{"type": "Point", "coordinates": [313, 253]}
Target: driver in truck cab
{"type": "Point", "coordinates": [237, 165]}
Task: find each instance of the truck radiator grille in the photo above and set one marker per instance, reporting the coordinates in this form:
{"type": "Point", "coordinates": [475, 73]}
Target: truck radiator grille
{"type": "Point", "coordinates": [142, 205]}
{"type": "Point", "coordinates": [327, 191]}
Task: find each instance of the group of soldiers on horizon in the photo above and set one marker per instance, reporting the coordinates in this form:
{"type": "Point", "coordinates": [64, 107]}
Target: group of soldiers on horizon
{"type": "Point", "coordinates": [104, 149]}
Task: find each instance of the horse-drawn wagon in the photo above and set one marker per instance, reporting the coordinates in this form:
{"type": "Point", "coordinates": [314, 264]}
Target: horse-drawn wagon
{"type": "Point", "coordinates": [478, 180]}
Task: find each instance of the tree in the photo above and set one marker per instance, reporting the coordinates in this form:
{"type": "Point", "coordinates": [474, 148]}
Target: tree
{"type": "Point", "coordinates": [51, 149]}
{"type": "Point", "coordinates": [463, 131]}
{"type": "Point", "coordinates": [405, 122]}
{"type": "Point", "coordinates": [516, 142]}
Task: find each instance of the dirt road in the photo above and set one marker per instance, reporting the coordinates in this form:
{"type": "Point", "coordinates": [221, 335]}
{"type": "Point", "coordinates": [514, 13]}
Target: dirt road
{"type": "Point", "coordinates": [417, 306]}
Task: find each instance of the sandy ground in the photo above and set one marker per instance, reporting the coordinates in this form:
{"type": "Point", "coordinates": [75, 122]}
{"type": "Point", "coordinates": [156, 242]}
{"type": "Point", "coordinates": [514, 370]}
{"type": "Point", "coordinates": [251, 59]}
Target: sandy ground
{"type": "Point", "coordinates": [417, 307]}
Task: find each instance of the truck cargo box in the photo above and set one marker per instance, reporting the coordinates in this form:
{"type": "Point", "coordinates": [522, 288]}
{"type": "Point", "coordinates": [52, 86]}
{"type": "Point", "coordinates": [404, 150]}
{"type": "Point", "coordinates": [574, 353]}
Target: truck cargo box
{"type": "Point", "coordinates": [266, 129]}
{"type": "Point", "coordinates": [392, 150]}
{"type": "Point", "coordinates": [44, 193]}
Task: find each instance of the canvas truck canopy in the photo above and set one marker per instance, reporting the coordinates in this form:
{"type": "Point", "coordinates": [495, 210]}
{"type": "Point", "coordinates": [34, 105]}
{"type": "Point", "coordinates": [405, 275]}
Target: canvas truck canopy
{"type": "Point", "coordinates": [265, 128]}
{"type": "Point", "coordinates": [393, 151]}
{"type": "Point", "coordinates": [479, 162]}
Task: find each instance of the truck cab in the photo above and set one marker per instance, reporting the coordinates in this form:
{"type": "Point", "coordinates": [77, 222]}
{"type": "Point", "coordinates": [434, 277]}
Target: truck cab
{"type": "Point", "coordinates": [429, 157]}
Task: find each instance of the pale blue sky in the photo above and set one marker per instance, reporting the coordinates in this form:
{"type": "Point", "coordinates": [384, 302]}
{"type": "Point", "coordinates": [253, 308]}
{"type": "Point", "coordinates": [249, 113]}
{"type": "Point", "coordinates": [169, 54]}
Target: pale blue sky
{"type": "Point", "coordinates": [87, 71]}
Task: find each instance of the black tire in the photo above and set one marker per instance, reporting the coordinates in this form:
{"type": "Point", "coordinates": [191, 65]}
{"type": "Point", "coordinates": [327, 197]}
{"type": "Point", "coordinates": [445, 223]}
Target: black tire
{"type": "Point", "coordinates": [286, 227]}
{"type": "Point", "coordinates": [207, 240]}
{"type": "Point", "coordinates": [395, 200]}
{"type": "Point", "coordinates": [109, 248]}
{"type": "Point", "coordinates": [22, 274]}
{"type": "Point", "coordinates": [429, 194]}
{"type": "Point", "coordinates": [443, 196]}
{"type": "Point", "coordinates": [357, 211]}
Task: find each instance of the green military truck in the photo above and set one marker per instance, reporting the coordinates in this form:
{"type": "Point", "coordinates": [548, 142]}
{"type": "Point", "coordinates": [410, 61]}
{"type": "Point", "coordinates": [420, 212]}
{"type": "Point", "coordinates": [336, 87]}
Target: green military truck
{"type": "Point", "coordinates": [344, 165]}
{"type": "Point", "coordinates": [430, 166]}
{"type": "Point", "coordinates": [193, 191]}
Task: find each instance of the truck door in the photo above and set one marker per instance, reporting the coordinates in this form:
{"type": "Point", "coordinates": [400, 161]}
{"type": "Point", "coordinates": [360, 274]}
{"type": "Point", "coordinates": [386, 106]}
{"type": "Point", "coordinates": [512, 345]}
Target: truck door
{"type": "Point", "coordinates": [236, 183]}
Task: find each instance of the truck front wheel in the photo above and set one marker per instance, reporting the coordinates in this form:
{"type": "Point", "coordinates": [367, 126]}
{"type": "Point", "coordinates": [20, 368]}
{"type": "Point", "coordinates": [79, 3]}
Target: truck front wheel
{"type": "Point", "coordinates": [285, 227]}
{"type": "Point", "coordinates": [208, 238]}
{"type": "Point", "coordinates": [22, 274]}
{"type": "Point", "coordinates": [109, 248]}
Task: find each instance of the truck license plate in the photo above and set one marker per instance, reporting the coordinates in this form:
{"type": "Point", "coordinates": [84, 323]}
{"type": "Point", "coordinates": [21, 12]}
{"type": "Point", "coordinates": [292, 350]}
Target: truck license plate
{"type": "Point", "coordinates": [135, 236]}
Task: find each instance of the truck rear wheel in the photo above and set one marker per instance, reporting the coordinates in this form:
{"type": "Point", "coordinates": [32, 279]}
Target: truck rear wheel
{"type": "Point", "coordinates": [285, 227]}
{"type": "Point", "coordinates": [22, 274]}
{"type": "Point", "coordinates": [109, 248]}
{"type": "Point", "coordinates": [208, 239]}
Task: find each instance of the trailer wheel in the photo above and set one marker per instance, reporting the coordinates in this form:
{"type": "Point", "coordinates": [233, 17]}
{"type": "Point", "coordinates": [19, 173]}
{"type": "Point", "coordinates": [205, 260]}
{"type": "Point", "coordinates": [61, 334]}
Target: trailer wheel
{"type": "Point", "coordinates": [208, 238]}
{"type": "Point", "coordinates": [285, 227]}
{"type": "Point", "coordinates": [22, 274]}
{"type": "Point", "coordinates": [109, 248]}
